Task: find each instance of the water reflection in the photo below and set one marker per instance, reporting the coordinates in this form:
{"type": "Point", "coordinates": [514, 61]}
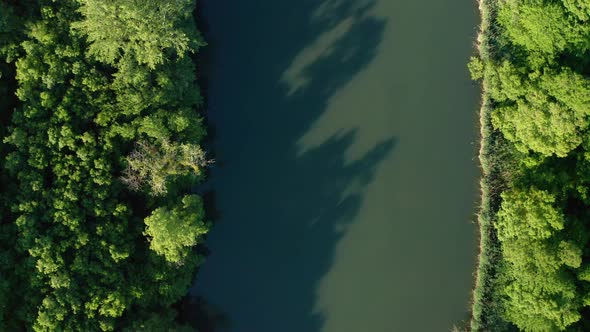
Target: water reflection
{"type": "Point", "coordinates": [326, 184]}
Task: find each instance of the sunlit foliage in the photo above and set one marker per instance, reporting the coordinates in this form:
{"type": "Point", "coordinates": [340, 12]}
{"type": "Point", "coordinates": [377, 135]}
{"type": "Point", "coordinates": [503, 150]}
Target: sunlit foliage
{"type": "Point", "coordinates": [536, 77]}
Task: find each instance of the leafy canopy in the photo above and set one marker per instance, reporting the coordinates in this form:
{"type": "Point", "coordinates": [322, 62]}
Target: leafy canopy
{"type": "Point", "coordinates": [149, 31]}
{"type": "Point", "coordinates": [172, 232]}
{"type": "Point", "coordinates": [540, 292]}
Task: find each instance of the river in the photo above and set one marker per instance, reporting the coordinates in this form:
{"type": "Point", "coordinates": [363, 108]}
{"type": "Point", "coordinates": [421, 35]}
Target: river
{"type": "Point", "coordinates": [346, 181]}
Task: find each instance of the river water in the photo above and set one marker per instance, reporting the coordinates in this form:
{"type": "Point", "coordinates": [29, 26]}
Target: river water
{"type": "Point", "coordinates": [346, 177]}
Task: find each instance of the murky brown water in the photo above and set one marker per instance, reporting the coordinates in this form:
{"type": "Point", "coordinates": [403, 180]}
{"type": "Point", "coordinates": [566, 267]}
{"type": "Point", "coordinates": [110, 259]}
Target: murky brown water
{"type": "Point", "coordinates": [346, 178]}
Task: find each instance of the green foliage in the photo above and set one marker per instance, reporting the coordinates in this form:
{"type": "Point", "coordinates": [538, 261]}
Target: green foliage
{"type": "Point", "coordinates": [172, 232]}
{"type": "Point", "coordinates": [536, 103]}
{"type": "Point", "coordinates": [584, 273]}
{"type": "Point", "coordinates": [13, 286]}
{"type": "Point", "coordinates": [528, 216]}
{"type": "Point", "coordinates": [70, 231]}
{"type": "Point", "coordinates": [578, 8]}
{"type": "Point", "coordinates": [476, 68]}
{"type": "Point", "coordinates": [545, 113]}
{"type": "Point", "coordinates": [540, 291]}
{"type": "Point", "coordinates": [10, 33]}
{"type": "Point", "coordinates": [149, 31]}
{"type": "Point", "coordinates": [542, 26]}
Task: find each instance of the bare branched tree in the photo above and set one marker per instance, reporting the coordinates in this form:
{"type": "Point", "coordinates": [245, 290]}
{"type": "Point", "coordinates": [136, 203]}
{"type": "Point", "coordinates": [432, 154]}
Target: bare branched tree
{"type": "Point", "coordinates": [153, 165]}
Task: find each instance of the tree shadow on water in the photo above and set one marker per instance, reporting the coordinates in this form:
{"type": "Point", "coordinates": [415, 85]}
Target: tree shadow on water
{"type": "Point", "coordinates": [281, 211]}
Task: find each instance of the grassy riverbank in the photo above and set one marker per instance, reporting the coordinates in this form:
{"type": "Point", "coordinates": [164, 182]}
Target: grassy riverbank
{"type": "Point", "coordinates": [484, 309]}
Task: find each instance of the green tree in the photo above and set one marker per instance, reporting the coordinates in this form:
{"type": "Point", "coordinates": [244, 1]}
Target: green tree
{"type": "Point", "coordinates": [579, 8]}
{"type": "Point", "coordinates": [10, 32]}
{"type": "Point", "coordinates": [542, 26]}
{"type": "Point", "coordinates": [540, 291]}
{"type": "Point", "coordinates": [149, 31]}
{"type": "Point", "coordinates": [534, 64]}
{"type": "Point", "coordinates": [172, 232]}
{"type": "Point", "coordinates": [528, 215]}
{"type": "Point", "coordinates": [543, 112]}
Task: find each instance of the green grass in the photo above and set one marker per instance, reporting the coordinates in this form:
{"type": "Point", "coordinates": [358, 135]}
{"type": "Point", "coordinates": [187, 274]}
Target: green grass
{"type": "Point", "coordinates": [493, 158]}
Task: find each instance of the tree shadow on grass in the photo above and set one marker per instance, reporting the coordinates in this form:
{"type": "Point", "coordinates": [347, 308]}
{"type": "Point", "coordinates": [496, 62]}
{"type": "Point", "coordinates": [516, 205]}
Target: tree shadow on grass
{"type": "Point", "coordinates": [282, 211]}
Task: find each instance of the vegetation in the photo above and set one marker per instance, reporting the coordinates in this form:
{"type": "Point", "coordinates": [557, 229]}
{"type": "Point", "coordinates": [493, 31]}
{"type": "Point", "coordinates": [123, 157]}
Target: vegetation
{"type": "Point", "coordinates": [100, 149]}
{"type": "Point", "coordinates": [535, 154]}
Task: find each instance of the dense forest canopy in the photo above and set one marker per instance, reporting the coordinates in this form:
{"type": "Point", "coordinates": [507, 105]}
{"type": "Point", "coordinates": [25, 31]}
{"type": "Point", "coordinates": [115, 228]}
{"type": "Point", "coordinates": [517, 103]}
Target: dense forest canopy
{"type": "Point", "coordinates": [535, 69]}
{"type": "Point", "coordinates": [100, 148]}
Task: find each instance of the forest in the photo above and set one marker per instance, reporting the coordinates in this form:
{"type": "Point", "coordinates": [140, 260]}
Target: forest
{"type": "Point", "coordinates": [100, 147]}
{"type": "Point", "coordinates": [534, 63]}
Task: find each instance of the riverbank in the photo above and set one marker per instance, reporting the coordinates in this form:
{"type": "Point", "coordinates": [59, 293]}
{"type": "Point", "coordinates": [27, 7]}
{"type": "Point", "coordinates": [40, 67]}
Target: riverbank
{"type": "Point", "coordinates": [484, 310]}
{"type": "Point", "coordinates": [535, 164]}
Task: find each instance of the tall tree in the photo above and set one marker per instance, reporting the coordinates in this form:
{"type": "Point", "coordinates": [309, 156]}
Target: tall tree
{"type": "Point", "coordinates": [540, 291]}
{"type": "Point", "coordinates": [543, 26]}
{"type": "Point", "coordinates": [149, 31]}
{"type": "Point", "coordinates": [172, 232]}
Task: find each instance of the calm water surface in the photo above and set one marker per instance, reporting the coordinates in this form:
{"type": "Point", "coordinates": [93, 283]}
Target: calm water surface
{"type": "Point", "coordinates": [346, 180]}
